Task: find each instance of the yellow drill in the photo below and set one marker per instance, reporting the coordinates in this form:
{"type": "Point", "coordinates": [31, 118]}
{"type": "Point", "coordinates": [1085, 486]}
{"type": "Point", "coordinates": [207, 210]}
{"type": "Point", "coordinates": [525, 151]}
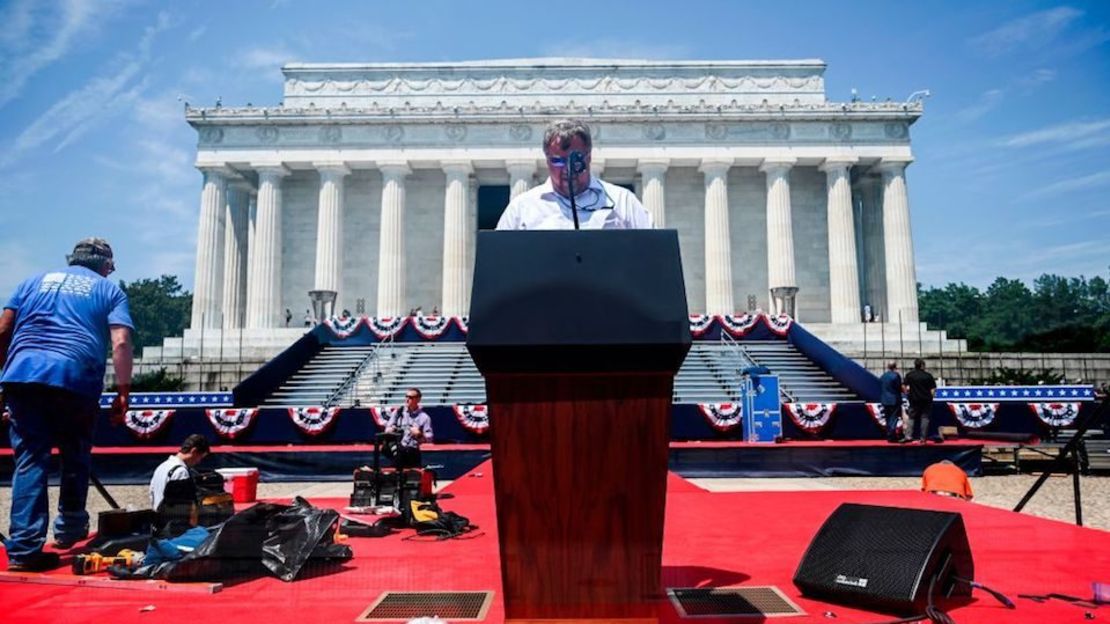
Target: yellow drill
{"type": "Point", "coordinates": [95, 562]}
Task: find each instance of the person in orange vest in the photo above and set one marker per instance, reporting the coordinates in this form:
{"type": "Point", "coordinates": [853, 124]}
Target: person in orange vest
{"type": "Point", "coordinates": [946, 479]}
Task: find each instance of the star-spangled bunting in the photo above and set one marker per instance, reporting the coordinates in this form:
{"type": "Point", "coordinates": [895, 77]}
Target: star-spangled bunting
{"type": "Point", "coordinates": [431, 327]}
{"type": "Point", "coordinates": [463, 322]}
{"type": "Point", "coordinates": [699, 323]}
{"type": "Point", "coordinates": [740, 324]}
{"type": "Point", "coordinates": [313, 420]}
{"type": "Point", "coordinates": [722, 416]}
{"type": "Point", "coordinates": [879, 416]}
{"type": "Point", "coordinates": [810, 417]}
{"type": "Point", "coordinates": [387, 326]}
{"type": "Point", "coordinates": [171, 399]}
{"type": "Point", "coordinates": [974, 415]}
{"type": "Point", "coordinates": [1056, 414]}
{"type": "Point", "coordinates": [381, 414]}
{"type": "Point", "coordinates": [343, 327]}
{"type": "Point", "coordinates": [146, 424]}
{"type": "Point", "coordinates": [230, 423]}
{"type": "Point", "coordinates": [780, 324]}
{"type": "Point", "coordinates": [1038, 394]}
{"type": "Point", "coordinates": [473, 418]}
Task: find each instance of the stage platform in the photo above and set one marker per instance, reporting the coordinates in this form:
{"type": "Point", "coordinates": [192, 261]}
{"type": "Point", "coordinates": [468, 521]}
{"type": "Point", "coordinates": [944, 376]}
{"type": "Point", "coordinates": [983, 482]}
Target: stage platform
{"type": "Point", "coordinates": [712, 540]}
{"type": "Point", "coordinates": [825, 458]}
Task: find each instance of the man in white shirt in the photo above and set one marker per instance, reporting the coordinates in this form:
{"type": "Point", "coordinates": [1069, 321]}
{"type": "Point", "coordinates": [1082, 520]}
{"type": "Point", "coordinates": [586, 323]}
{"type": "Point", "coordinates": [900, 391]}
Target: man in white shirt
{"type": "Point", "coordinates": [600, 205]}
{"type": "Point", "coordinates": [177, 468]}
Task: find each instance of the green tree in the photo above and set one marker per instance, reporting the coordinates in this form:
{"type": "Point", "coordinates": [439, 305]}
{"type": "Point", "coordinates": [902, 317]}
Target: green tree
{"type": "Point", "coordinates": [159, 308]}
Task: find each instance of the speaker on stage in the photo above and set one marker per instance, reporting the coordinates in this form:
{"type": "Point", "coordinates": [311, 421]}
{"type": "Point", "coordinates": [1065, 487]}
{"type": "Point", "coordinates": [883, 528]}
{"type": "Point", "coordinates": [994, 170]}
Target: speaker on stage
{"type": "Point", "coordinates": [884, 558]}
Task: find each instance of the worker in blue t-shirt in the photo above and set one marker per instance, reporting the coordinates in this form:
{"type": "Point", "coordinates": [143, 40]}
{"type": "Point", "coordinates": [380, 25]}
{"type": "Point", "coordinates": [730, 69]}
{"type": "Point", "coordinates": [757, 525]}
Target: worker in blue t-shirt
{"type": "Point", "coordinates": [54, 334]}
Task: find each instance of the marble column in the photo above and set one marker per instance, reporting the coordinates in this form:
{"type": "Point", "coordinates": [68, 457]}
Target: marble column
{"type": "Point", "coordinates": [329, 231]}
{"type": "Point", "coordinates": [901, 274]}
{"type": "Point", "coordinates": [521, 173]}
{"type": "Point", "coordinates": [844, 303]}
{"type": "Point", "coordinates": [718, 252]}
{"type": "Point", "coordinates": [597, 167]}
{"type": "Point", "coordinates": [455, 202]}
{"type": "Point", "coordinates": [264, 309]}
{"type": "Point", "coordinates": [780, 229]}
{"type": "Point", "coordinates": [236, 253]}
{"type": "Point", "coordinates": [208, 279]}
{"type": "Point", "coordinates": [391, 257]}
{"type": "Point", "coordinates": [654, 174]}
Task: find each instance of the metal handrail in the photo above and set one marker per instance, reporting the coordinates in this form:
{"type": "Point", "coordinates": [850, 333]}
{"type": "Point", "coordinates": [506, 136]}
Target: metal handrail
{"type": "Point", "coordinates": [744, 356]}
{"type": "Point", "coordinates": [350, 382]}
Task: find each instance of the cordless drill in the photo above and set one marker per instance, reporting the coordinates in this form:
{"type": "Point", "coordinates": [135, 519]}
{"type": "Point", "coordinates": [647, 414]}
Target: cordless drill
{"type": "Point", "coordinates": [95, 562]}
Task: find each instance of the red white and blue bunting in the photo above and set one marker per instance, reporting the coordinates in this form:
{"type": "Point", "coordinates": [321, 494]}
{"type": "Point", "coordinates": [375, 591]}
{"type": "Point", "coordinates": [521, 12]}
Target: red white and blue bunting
{"type": "Point", "coordinates": [473, 418]}
{"type": "Point", "coordinates": [879, 416]}
{"type": "Point", "coordinates": [810, 417]}
{"type": "Point", "coordinates": [699, 323]}
{"type": "Point", "coordinates": [313, 420]}
{"type": "Point", "coordinates": [381, 414]}
{"type": "Point", "coordinates": [974, 415]}
{"type": "Point", "coordinates": [739, 325]}
{"type": "Point", "coordinates": [463, 322]}
{"type": "Point", "coordinates": [1056, 414]}
{"type": "Point", "coordinates": [146, 424]}
{"type": "Point", "coordinates": [431, 327]}
{"type": "Point", "coordinates": [343, 327]}
{"type": "Point", "coordinates": [387, 326]}
{"type": "Point", "coordinates": [779, 324]}
{"type": "Point", "coordinates": [230, 423]}
{"type": "Point", "coordinates": [722, 416]}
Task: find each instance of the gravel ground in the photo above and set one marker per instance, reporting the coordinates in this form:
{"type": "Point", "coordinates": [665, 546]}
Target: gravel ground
{"type": "Point", "coordinates": [1054, 500]}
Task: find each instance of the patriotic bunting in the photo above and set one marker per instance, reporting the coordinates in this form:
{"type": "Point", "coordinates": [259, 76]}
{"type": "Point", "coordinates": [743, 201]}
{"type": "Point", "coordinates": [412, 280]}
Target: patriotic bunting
{"type": "Point", "coordinates": [722, 416]}
{"type": "Point", "coordinates": [343, 327]}
{"type": "Point", "coordinates": [146, 424]}
{"type": "Point", "coordinates": [699, 323]}
{"type": "Point", "coordinates": [463, 322]}
{"type": "Point", "coordinates": [1056, 414]}
{"type": "Point", "coordinates": [387, 326]}
{"type": "Point", "coordinates": [810, 417]}
{"type": "Point", "coordinates": [974, 415]}
{"type": "Point", "coordinates": [877, 415]}
{"type": "Point", "coordinates": [313, 420]}
{"type": "Point", "coordinates": [779, 324]}
{"type": "Point", "coordinates": [740, 325]}
{"type": "Point", "coordinates": [230, 423]}
{"type": "Point", "coordinates": [473, 418]}
{"type": "Point", "coordinates": [381, 414]}
{"type": "Point", "coordinates": [431, 327]}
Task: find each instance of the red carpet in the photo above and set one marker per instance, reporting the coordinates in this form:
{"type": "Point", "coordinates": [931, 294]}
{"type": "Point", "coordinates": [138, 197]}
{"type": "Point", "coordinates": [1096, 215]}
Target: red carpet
{"type": "Point", "coordinates": [712, 539]}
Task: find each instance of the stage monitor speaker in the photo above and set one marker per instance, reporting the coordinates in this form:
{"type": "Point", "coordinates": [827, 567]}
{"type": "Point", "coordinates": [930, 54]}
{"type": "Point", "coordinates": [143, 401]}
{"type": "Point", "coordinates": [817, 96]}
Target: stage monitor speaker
{"type": "Point", "coordinates": [884, 558]}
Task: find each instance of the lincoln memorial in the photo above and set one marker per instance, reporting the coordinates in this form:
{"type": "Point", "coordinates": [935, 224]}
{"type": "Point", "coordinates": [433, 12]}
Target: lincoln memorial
{"type": "Point", "coordinates": [371, 180]}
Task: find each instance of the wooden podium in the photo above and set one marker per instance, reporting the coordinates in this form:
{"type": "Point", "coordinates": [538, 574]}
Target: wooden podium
{"type": "Point", "coordinates": [579, 336]}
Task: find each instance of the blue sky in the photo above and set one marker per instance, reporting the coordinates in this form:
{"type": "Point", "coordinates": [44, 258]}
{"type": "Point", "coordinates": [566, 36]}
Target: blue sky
{"type": "Point", "coordinates": [1013, 152]}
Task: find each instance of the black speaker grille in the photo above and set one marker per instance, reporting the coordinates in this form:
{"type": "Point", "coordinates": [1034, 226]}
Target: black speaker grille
{"type": "Point", "coordinates": [451, 606]}
{"type": "Point", "coordinates": [882, 555]}
{"type": "Point", "coordinates": [732, 601]}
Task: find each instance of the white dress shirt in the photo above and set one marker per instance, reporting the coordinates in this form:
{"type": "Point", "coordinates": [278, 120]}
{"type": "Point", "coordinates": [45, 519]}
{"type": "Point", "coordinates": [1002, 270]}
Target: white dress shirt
{"type": "Point", "coordinates": [600, 206]}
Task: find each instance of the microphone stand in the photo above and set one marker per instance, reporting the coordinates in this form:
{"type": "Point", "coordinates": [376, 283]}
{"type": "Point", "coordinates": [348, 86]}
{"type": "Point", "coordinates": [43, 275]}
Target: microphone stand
{"type": "Point", "coordinates": [570, 188]}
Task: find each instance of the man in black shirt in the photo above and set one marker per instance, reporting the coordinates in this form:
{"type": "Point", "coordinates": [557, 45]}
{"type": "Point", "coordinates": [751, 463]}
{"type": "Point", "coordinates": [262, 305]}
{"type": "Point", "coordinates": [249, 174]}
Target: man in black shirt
{"type": "Point", "coordinates": [920, 389]}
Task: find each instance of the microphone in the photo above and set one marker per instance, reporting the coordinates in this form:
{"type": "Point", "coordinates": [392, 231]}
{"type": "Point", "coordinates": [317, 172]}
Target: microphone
{"type": "Point", "coordinates": [576, 162]}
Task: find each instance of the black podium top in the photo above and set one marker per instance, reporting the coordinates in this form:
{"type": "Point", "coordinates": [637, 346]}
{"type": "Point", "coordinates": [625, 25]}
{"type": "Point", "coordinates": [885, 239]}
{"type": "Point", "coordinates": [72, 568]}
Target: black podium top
{"type": "Point", "coordinates": [578, 301]}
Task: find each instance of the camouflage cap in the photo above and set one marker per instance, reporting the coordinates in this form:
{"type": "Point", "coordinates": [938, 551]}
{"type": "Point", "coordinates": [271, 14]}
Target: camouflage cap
{"type": "Point", "coordinates": [91, 248]}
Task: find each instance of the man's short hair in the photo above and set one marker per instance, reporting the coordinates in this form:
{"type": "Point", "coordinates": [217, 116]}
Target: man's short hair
{"type": "Point", "coordinates": [919, 364]}
{"type": "Point", "coordinates": [891, 365]}
{"type": "Point", "coordinates": [419, 394]}
{"type": "Point", "coordinates": [196, 442]}
{"type": "Point", "coordinates": [563, 132]}
{"type": "Point", "coordinates": [92, 253]}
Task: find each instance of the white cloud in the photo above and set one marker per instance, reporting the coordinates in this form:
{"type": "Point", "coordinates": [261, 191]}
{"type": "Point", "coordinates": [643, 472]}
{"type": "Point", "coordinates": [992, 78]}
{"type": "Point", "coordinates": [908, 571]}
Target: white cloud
{"type": "Point", "coordinates": [1075, 133]}
{"type": "Point", "coordinates": [262, 58]}
{"type": "Point", "coordinates": [1079, 183]}
{"type": "Point", "coordinates": [1032, 31]}
{"type": "Point", "coordinates": [93, 103]}
{"type": "Point", "coordinates": [1037, 78]}
{"type": "Point", "coordinates": [987, 102]}
{"type": "Point", "coordinates": [196, 33]}
{"type": "Point", "coordinates": [34, 34]}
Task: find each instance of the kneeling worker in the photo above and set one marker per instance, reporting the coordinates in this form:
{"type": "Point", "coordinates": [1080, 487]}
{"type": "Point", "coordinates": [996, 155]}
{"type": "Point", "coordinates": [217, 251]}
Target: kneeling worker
{"type": "Point", "coordinates": [173, 488]}
{"type": "Point", "coordinates": [946, 479]}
